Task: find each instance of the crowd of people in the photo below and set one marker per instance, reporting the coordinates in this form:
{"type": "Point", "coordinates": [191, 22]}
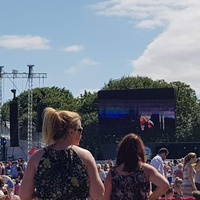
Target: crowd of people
{"type": "Point", "coordinates": [62, 170]}
{"type": "Point", "coordinates": [183, 174]}
{"type": "Point", "coordinates": [11, 175]}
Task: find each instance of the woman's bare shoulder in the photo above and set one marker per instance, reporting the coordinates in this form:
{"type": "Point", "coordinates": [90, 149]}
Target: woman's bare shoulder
{"type": "Point", "coordinates": [148, 169]}
{"type": "Point", "coordinates": [80, 150]}
{"type": "Point", "coordinates": [84, 154]}
{"type": "Point", "coordinates": [146, 166]}
{"type": "Point", "coordinates": [36, 157]}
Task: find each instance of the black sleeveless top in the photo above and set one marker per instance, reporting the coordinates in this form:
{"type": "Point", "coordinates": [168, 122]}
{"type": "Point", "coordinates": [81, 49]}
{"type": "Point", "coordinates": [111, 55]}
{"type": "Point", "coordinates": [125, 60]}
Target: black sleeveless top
{"type": "Point", "coordinates": [129, 187]}
{"type": "Point", "coordinates": [61, 175]}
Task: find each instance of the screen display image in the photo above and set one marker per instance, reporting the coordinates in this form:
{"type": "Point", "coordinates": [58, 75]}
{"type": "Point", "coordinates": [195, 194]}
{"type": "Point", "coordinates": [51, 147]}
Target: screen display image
{"type": "Point", "coordinates": [147, 112]}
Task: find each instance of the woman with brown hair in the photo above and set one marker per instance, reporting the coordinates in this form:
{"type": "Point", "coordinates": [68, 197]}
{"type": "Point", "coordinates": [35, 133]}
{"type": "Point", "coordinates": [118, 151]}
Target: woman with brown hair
{"type": "Point", "coordinates": [61, 170]}
{"type": "Point", "coordinates": [188, 184]}
{"type": "Point", "coordinates": [131, 177]}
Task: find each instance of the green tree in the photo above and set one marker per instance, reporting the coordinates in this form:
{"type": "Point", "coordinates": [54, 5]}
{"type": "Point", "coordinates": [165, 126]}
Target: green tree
{"type": "Point", "coordinates": [187, 104]}
{"type": "Point", "coordinates": [87, 107]}
{"type": "Point", "coordinates": [53, 97]}
{"type": "Point", "coordinates": [87, 102]}
{"type": "Point", "coordinates": [187, 110]}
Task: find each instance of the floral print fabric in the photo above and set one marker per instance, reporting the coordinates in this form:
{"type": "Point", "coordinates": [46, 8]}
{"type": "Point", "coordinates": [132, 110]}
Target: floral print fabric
{"type": "Point", "coordinates": [61, 175]}
{"type": "Point", "coordinates": [129, 187]}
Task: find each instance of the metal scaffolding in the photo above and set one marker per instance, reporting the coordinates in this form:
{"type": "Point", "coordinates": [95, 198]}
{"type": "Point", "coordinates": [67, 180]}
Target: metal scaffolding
{"type": "Point", "coordinates": [29, 76]}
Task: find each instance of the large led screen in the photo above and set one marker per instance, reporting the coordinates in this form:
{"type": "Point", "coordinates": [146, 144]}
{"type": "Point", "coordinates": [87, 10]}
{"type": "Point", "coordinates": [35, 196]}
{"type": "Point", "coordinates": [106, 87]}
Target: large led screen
{"type": "Point", "coordinates": [141, 111]}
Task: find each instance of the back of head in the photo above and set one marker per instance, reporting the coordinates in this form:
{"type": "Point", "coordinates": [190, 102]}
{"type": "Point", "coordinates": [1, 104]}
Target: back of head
{"type": "Point", "coordinates": [196, 194]}
{"type": "Point", "coordinates": [188, 157]}
{"type": "Point", "coordinates": [163, 150]}
{"type": "Point", "coordinates": [99, 167]}
{"type": "Point", "coordinates": [178, 180]}
{"type": "Point", "coordinates": [130, 152]}
{"type": "Point", "coordinates": [56, 124]}
{"type": "Point", "coordinates": [175, 162]}
{"type": "Point", "coordinates": [180, 166]}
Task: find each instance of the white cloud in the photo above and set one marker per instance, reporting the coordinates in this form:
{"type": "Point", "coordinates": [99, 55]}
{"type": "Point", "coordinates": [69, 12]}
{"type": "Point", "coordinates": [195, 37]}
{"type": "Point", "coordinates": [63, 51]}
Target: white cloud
{"type": "Point", "coordinates": [144, 13]}
{"type": "Point", "coordinates": [74, 48]}
{"type": "Point", "coordinates": [84, 63]}
{"type": "Point", "coordinates": [174, 54]}
{"type": "Point", "coordinates": [26, 42]}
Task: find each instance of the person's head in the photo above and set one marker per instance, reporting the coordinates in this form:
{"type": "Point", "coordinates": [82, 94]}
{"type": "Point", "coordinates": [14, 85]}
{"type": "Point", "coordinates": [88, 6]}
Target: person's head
{"type": "Point", "coordinates": [163, 152]}
{"type": "Point", "coordinates": [131, 152]}
{"type": "Point", "coordinates": [180, 166]}
{"type": "Point", "coordinates": [106, 167]}
{"type": "Point", "coordinates": [178, 181]}
{"type": "Point", "coordinates": [148, 161]}
{"type": "Point", "coordinates": [61, 125]}
{"type": "Point", "coordinates": [190, 157]}
{"type": "Point", "coordinates": [175, 162]}
{"type": "Point", "coordinates": [196, 194]}
{"type": "Point", "coordinates": [99, 167]}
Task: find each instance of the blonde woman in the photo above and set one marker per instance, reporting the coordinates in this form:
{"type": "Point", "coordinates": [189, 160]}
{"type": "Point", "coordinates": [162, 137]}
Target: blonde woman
{"type": "Point", "coordinates": [61, 170]}
{"type": "Point", "coordinates": [188, 184]}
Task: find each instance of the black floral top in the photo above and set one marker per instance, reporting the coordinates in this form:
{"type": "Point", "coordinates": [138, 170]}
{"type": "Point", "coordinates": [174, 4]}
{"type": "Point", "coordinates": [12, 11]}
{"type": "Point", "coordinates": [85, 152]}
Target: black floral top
{"type": "Point", "coordinates": [129, 187]}
{"type": "Point", "coordinates": [61, 175]}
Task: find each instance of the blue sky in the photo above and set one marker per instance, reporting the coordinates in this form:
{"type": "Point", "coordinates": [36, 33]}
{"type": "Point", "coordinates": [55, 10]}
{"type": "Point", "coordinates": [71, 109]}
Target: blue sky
{"type": "Point", "coordinates": [81, 44]}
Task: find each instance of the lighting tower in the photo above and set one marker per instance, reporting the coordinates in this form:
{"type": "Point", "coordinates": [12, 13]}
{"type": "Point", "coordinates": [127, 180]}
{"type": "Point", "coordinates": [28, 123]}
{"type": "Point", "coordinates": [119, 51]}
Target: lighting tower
{"type": "Point", "coordinates": [1, 76]}
{"type": "Point", "coordinates": [30, 106]}
{"type": "Point", "coordinates": [30, 76]}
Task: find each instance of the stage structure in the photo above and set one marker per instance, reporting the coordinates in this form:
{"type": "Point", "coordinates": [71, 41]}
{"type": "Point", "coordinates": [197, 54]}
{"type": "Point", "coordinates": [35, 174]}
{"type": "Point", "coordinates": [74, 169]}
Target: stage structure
{"type": "Point", "coordinates": [150, 113]}
{"type": "Point", "coordinates": [147, 112]}
{"type": "Point", "coordinates": [29, 76]}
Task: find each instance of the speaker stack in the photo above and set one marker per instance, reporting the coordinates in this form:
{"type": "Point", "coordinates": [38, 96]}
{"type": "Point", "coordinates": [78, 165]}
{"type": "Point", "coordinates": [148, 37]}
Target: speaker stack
{"type": "Point", "coordinates": [40, 110]}
{"type": "Point", "coordinates": [14, 127]}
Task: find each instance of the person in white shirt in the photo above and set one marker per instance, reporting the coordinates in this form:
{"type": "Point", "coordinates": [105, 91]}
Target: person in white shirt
{"type": "Point", "coordinates": [157, 162]}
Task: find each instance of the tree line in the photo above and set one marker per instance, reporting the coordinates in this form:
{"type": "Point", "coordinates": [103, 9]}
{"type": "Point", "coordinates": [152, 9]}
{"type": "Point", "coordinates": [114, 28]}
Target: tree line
{"type": "Point", "coordinates": [86, 104]}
